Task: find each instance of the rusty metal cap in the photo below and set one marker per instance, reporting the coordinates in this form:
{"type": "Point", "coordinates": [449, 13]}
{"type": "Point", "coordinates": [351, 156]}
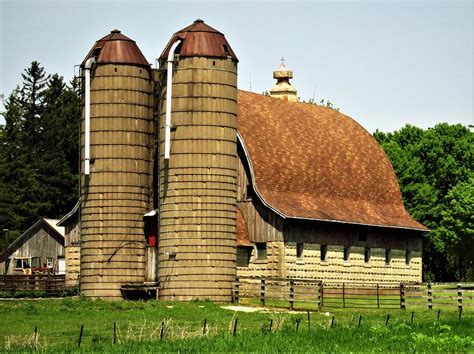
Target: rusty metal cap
{"type": "Point", "coordinates": [200, 40]}
{"type": "Point", "coordinates": [115, 48]}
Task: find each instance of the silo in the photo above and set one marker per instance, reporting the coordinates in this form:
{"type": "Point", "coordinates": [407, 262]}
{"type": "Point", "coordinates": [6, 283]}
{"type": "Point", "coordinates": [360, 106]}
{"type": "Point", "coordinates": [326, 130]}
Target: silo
{"type": "Point", "coordinates": [115, 193]}
{"type": "Point", "coordinates": [197, 184]}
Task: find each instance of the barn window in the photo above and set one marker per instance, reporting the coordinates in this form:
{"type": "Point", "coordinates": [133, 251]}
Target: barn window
{"type": "Point", "coordinates": [407, 257]}
{"type": "Point", "coordinates": [261, 250]}
{"type": "Point", "coordinates": [35, 262]}
{"type": "Point", "coordinates": [49, 262]}
{"type": "Point", "coordinates": [346, 253]}
{"type": "Point", "coordinates": [324, 251]}
{"type": "Point", "coordinates": [299, 250]}
{"type": "Point", "coordinates": [243, 256]}
{"type": "Point", "coordinates": [367, 255]}
{"type": "Point", "coordinates": [388, 256]}
{"type": "Point", "coordinates": [18, 263]}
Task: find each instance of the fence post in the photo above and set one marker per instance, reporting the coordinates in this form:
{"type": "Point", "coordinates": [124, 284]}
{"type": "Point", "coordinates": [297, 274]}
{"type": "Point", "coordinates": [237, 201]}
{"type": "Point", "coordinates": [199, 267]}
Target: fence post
{"type": "Point", "coordinates": [292, 293]}
{"type": "Point", "coordinates": [262, 292]}
{"type": "Point", "coordinates": [343, 295]}
{"type": "Point", "coordinates": [378, 296]}
{"type": "Point", "coordinates": [235, 297]}
{"type": "Point", "coordinates": [430, 297]}
{"type": "Point", "coordinates": [402, 296]}
{"type": "Point", "coordinates": [459, 297]}
{"type": "Point", "coordinates": [320, 295]}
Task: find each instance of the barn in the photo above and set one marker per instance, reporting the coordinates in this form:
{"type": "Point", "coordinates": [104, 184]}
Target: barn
{"type": "Point", "coordinates": [188, 182]}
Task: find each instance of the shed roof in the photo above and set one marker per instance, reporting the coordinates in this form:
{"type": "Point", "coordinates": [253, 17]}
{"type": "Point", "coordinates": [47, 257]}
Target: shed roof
{"type": "Point", "coordinates": [199, 39]}
{"type": "Point", "coordinates": [115, 48]}
{"type": "Point", "coordinates": [312, 162]}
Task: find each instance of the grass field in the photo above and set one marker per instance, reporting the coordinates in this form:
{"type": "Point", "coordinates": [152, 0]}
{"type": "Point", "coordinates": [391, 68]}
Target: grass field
{"type": "Point", "coordinates": [139, 327]}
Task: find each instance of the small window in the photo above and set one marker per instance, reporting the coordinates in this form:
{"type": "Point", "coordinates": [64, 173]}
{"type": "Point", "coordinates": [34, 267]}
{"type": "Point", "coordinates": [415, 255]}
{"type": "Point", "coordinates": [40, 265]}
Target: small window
{"type": "Point", "coordinates": [261, 250]}
{"type": "Point", "coordinates": [346, 253]}
{"type": "Point", "coordinates": [367, 255]}
{"type": "Point", "coordinates": [226, 49]}
{"type": "Point", "coordinates": [35, 262]}
{"type": "Point", "coordinates": [26, 263]}
{"type": "Point", "coordinates": [49, 262]}
{"type": "Point", "coordinates": [362, 236]}
{"type": "Point", "coordinates": [407, 257]}
{"type": "Point", "coordinates": [299, 250]}
{"type": "Point", "coordinates": [18, 263]}
{"type": "Point", "coordinates": [388, 256]}
{"type": "Point", "coordinates": [243, 256]}
{"type": "Point", "coordinates": [324, 251]}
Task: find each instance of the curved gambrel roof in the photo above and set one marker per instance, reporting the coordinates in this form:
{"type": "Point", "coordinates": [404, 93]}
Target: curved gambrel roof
{"type": "Point", "coordinates": [312, 162]}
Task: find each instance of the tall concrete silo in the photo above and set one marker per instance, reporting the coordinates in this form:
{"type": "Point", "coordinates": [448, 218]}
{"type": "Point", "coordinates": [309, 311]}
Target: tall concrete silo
{"type": "Point", "coordinates": [197, 183]}
{"type": "Point", "coordinates": [115, 169]}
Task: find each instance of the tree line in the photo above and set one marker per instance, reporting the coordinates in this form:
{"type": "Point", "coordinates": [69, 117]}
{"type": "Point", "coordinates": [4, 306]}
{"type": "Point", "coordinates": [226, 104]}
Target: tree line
{"type": "Point", "coordinates": [39, 147]}
{"type": "Point", "coordinates": [39, 171]}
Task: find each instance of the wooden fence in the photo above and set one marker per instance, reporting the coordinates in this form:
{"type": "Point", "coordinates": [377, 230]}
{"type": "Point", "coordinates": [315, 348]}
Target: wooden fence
{"type": "Point", "coordinates": [51, 284]}
{"type": "Point", "coordinates": [304, 293]}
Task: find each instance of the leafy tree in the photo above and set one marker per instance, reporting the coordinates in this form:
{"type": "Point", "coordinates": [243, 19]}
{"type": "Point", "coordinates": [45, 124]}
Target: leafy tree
{"type": "Point", "coordinates": [431, 165]}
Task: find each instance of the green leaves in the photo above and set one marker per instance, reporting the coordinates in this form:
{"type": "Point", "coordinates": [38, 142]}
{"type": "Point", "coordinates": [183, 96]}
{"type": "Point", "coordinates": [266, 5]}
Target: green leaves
{"type": "Point", "coordinates": [435, 168]}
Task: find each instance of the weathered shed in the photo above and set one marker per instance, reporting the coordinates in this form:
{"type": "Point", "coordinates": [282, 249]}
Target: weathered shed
{"type": "Point", "coordinates": [38, 249]}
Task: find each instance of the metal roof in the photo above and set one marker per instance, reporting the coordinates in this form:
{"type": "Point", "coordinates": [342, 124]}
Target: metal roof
{"type": "Point", "coordinates": [115, 48]}
{"type": "Point", "coordinates": [199, 39]}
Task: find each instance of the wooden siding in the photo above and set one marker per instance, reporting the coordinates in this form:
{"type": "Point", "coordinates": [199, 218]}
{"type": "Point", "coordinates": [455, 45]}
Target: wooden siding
{"type": "Point", "coordinates": [197, 238]}
{"type": "Point", "coordinates": [281, 236]}
{"type": "Point", "coordinates": [117, 194]}
{"type": "Point", "coordinates": [42, 245]}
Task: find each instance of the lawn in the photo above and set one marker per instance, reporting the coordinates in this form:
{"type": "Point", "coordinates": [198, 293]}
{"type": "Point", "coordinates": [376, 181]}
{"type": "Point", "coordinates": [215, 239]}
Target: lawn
{"type": "Point", "coordinates": [139, 328]}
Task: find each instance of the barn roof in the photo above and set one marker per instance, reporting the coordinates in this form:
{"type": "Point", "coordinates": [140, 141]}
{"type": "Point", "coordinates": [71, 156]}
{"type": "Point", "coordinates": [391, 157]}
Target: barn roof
{"type": "Point", "coordinates": [312, 162]}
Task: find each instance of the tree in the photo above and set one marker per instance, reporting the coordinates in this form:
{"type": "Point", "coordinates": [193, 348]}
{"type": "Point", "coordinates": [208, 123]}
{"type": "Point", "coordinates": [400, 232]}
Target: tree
{"type": "Point", "coordinates": [429, 164]}
{"type": "Point", "coordinates": [39, 150]}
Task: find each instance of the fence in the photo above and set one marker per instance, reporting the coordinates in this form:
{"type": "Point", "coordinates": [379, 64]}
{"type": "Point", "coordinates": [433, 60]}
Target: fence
{"type": "Point", "coordinates": [315, 293]}
{"type": "Point", "coordinates": [51, 284]}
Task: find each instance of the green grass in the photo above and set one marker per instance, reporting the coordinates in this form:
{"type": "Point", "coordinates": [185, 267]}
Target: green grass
{"type": "Point", "coordinates": [139, 325]}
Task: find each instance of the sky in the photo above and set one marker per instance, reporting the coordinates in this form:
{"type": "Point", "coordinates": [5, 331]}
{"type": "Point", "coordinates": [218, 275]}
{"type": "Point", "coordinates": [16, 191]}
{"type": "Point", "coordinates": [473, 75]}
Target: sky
{"type": "Point", "coordinates": [383, 63]}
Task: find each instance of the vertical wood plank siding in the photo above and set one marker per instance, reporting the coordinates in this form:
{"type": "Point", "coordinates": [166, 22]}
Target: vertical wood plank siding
{"type": "Point", "coordinates": [197, 238]}
{"type": "Point", "coordinates": [116, 196]}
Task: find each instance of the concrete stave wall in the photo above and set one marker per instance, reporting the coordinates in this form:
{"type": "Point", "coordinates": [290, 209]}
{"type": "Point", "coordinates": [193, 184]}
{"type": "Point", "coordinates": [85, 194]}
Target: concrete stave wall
{"type": "Point", "coordinates": [117, 194]}
{"type": "Point", "coordinates": [198, 184]}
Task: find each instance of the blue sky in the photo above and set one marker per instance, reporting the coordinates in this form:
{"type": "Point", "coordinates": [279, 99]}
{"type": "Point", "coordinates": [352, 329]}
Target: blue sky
{"type": "Point", "coordinates": [385, 64]}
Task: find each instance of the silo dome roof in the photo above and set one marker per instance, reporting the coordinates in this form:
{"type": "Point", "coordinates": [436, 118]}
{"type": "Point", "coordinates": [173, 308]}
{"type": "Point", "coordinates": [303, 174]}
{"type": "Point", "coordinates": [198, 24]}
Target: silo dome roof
{"type": "Point", "coordinates": [201, 40]}
{"type": "Point", "coordinates": [115, 48]}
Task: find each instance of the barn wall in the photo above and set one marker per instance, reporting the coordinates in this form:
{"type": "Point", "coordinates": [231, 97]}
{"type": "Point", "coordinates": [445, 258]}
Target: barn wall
{"type": "Point", "coordinates": [282, 235]}
{"type": "Point", "coordinates": [41, 244]}
{"type": "Point", "coordinates": [355, 270]}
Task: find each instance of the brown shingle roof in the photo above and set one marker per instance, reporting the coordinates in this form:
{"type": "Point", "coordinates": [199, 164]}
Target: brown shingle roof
{"type": "Point", "coordinates": [313, 162]}
{"type": "Point", "coordinates": [115, 48]}
{"type": "Point", "coordinates": [199, 39]}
